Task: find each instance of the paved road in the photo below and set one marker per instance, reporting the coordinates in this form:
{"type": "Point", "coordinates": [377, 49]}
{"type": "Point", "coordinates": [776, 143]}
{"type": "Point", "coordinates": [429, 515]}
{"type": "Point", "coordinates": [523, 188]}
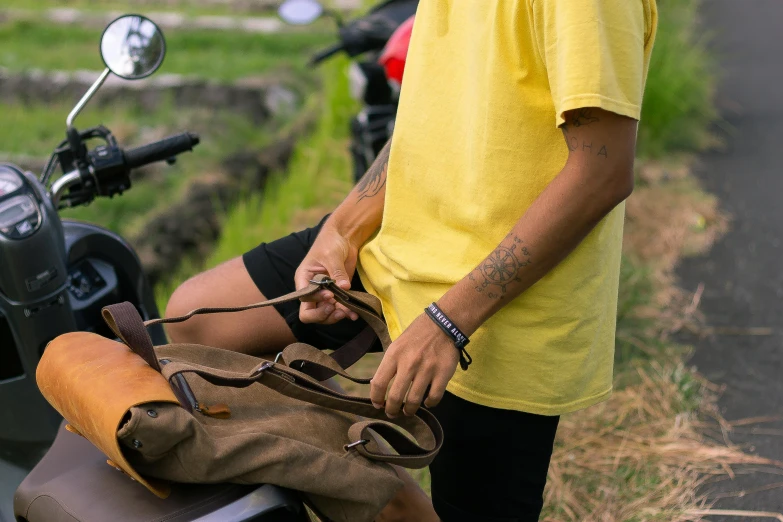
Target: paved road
{"type": "Point", "coordinates": [743, 274]}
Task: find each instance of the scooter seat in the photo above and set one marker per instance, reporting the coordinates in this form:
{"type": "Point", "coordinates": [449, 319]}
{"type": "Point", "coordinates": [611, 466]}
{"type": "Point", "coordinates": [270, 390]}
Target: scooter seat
{"type": "Point", "coordinates": [74, 483]}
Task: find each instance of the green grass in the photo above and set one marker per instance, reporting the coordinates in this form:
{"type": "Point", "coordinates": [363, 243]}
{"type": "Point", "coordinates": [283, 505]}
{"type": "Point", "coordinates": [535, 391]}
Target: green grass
{"type": "Point", "coordinates": [35, 130]}
{"type": "Point", "coordinates": [187, 7]}
{"type": "Point", "coordinates": [678, 105]}
{"type": "Point", "coordinates": [217, 55]}
{"type": "Point", "coordinates": [636, 290]}
{"type": "Point", "coordinates": [319, 176]}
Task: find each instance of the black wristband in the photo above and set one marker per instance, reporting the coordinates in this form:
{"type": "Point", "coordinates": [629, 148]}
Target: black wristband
{"type": "Point", "coordinates": [460, 339]}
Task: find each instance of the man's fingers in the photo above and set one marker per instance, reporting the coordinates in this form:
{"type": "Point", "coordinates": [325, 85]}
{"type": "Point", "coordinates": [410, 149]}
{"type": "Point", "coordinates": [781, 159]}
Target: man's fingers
{"type": "Point", "coordinates": [315, 312]}
{"type": "Point", "coordinates": [337, 271]}
{"type": "Point", "coordinates": [380, 381]}
{"type": "Point", "coordinates": [416, 393]}
{"type": "Point", "coordinates": [397, 393]}
{"type": "Point", "coordinates": [347, 312]}
{"type": "Point", "coordinates": [321, 295]}
{"type": "Point", "coordinates": [437, 390]}
{"type": "Point", "coordinates": [302, 277]}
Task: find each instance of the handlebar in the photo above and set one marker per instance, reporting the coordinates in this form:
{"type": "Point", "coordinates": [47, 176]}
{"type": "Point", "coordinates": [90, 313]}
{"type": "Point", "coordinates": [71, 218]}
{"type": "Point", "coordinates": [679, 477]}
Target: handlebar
{"type": "Point", "coordinates": [161, 150]}
{"type": "Point", "coordinates": [320, 56]}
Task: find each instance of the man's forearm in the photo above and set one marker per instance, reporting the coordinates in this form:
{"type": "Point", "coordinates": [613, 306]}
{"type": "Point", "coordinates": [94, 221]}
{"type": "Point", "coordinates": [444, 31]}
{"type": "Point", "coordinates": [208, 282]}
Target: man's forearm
{"type": "Point", "coordinates": [359, 216]}
{"type": "Point", "coordinates": [596, 178]}
{"type": "Point", "coordinates": [552, 227]}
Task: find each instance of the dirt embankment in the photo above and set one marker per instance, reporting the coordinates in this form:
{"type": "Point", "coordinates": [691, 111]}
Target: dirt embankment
{"type": "Point", "coordinates": [189, 227]}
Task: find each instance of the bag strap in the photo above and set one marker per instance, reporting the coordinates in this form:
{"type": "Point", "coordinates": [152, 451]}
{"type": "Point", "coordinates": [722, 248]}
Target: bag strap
{"type": "Point", "coordinates": [415, 447]}
{"type": "Point", "coordinates": [127, 324]}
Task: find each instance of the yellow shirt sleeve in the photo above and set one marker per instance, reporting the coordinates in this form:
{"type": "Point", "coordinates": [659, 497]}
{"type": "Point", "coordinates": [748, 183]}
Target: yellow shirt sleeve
{"type": "Point", "coordinates": [594, 52]}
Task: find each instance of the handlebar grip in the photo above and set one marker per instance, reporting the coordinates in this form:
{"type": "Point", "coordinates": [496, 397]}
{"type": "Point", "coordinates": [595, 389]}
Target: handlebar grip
{"type": "Point", "coordinates": [320, 56]}
{"type": "Point", "coordinates": [161, 150]}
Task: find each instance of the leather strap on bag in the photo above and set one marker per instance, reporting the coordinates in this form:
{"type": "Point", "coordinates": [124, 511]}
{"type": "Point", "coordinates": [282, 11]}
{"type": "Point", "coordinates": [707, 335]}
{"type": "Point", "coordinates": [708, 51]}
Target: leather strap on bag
{"type": "Point", "coordinates": [126, 323]}
{"type": "Point", "coordinates": [417, 451]}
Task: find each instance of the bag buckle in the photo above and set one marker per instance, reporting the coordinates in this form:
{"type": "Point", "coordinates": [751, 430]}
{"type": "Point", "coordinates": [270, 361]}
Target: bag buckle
{"type": "Point", "coordinates": [326, 281]}
{"type": "Point", "coordinates": [352, 445]}
{"type": "Point", "coordinates": [262, 368]}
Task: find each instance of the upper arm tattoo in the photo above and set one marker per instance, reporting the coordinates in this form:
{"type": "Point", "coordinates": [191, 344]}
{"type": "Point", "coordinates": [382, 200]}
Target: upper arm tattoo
{"type": "Point", "coordinates": [576, 120]}
{"type": "Point", "coordinates": [374, 179]}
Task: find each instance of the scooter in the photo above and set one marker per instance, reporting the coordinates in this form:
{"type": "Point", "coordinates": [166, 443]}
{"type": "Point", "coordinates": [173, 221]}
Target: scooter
{"type": "Point", "coordinates": [55, 276]}
{"type": "Point", "coordinates": [380, 38]}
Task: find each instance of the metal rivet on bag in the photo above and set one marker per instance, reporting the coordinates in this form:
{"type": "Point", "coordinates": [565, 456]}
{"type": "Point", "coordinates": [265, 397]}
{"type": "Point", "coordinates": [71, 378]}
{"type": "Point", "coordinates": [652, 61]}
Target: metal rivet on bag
{"type": "Point", "coordinates": [136, 443]}
{"type": "Point", "coordinates": [152, 413]}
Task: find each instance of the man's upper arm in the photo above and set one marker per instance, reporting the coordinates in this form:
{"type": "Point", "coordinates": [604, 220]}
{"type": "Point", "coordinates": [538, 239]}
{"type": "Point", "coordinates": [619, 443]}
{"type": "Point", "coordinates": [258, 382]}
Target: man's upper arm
{"type": "Point", "coordinates": [602, 145]}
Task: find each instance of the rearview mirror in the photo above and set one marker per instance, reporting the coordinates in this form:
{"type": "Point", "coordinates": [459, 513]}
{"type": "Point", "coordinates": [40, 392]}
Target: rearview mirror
{"type": "Point", "coordinates": [300, 12]}
{"type": "Point", "coordinates": [133, 47]}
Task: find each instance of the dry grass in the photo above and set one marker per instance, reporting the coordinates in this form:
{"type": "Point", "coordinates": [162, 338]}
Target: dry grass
{"type": "Point", "coordinates": [648, 452]}
{"type": "Point", "coordinates": [668, 217]}
{"type": "Point", "coordinates": [642, 455]}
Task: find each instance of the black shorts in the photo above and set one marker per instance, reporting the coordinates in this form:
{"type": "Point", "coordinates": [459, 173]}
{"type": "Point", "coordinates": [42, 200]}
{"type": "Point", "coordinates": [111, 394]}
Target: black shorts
{"type": "Point", "coordinates": [493, 463]}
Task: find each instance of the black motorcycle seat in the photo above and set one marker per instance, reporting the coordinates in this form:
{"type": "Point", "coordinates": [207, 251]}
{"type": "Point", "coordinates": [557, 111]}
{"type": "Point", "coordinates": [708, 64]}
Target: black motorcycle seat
{"type": "Point", "coordinates": [74, 483]}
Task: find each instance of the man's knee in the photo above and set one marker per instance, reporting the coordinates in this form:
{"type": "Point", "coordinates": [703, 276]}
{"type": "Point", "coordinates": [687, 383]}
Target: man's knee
{"type": "Point", "coordinates": [187, 297]}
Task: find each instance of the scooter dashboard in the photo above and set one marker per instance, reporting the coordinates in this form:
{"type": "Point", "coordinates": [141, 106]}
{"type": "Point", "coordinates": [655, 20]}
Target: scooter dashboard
{"type": "Point", "coordinates": [20, 215]}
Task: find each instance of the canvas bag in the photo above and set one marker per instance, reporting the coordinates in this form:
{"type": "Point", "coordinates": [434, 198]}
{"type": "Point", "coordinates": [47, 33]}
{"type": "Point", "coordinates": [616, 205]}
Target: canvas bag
{"type": "Point", "coordinates": [197, 414]}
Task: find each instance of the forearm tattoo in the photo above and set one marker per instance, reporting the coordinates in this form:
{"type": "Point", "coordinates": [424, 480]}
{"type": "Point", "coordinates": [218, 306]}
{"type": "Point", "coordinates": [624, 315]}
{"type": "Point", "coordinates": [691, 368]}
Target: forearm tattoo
{"type": "Point", "coordinates": [501, 268]}
{"type": "Point", "coordinates": [575, 120]}
{"type": "Point", "coordinates": [374, 180]}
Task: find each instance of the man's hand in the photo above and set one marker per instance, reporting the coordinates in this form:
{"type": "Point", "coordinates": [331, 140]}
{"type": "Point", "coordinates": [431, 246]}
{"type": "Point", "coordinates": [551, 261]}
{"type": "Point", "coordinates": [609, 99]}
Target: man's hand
{"type": "Point", "coordinates": [333, 255]}
{"type": "Point", "coordinates": [422, 357]}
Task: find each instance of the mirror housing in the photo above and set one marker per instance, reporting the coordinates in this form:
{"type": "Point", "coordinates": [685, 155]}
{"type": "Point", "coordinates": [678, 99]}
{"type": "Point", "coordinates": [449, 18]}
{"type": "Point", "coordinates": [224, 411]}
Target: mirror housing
{"type": "Point", "coordinates": [133, 47]}
{"type": "Point", "coordinates": [300, 12]}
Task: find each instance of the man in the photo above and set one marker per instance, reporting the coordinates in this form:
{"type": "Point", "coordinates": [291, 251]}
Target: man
{"type": "Point", "coordinates": [499, 200]}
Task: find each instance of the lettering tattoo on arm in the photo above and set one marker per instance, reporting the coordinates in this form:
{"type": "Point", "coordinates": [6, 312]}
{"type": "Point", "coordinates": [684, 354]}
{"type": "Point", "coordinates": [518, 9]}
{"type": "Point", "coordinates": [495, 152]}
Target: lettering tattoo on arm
{"type": "Point", "coordinates": [501, 268]}
{"type": "Point", "coordinates": [576, 120]}
{"type": "Point", "coordinates": [375, 178]}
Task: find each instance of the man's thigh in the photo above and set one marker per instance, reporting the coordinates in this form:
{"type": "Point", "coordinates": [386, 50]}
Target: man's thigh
{"type": "Point", "coordinates": [265, 272]}
{"type": "Point", "coordinates": [493, 464]}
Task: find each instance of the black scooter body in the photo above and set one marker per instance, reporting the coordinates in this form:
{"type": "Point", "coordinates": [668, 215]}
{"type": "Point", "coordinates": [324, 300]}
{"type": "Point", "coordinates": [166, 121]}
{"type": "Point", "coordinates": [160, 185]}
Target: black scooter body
{"type": "Point", "coordinates": [53, 281]}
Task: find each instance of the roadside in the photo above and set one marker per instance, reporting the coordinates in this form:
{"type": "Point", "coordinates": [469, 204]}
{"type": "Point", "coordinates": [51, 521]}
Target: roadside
{"type": "Point", "coordinates": [742, 275]}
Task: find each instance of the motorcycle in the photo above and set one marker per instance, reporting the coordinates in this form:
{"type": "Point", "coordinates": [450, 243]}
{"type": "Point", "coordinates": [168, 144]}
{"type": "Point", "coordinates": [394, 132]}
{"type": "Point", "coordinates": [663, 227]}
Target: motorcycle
{"type": "Point", "coordinates": [381, 39]}
{"type": "Point", "coordinates": [55, 276]}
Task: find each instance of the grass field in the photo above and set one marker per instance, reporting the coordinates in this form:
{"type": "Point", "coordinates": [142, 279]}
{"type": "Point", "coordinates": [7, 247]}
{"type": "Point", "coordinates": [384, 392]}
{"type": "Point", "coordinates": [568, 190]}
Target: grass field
{"type": "Point", "coordinates": [34, 129]}
{"type": "Point", "coordinates": [319, 176]}
{"type": "Point", "coordinates": [217, 55]}
{"type": "Point", "coordinates": [678, 108]}
{"type": "Point", "coordinates": [191, 8]}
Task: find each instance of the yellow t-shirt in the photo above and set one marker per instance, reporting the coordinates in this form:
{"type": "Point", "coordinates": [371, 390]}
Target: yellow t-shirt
{"type": "Point", "coordinates": [476, 141]}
